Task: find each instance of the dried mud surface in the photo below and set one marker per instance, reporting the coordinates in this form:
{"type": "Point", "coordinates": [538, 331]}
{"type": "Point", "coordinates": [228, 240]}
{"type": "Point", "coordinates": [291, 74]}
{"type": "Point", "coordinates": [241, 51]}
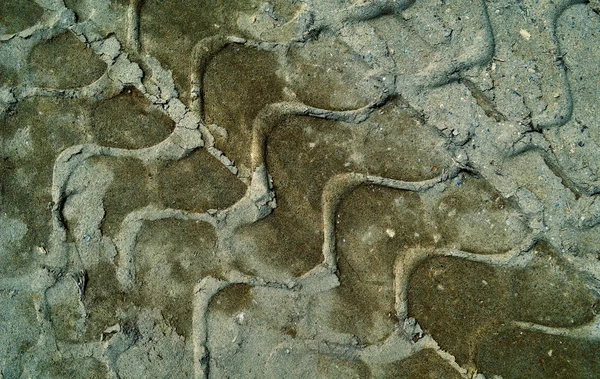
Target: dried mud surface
{"type": "Point", "coordinates": [299, 189]}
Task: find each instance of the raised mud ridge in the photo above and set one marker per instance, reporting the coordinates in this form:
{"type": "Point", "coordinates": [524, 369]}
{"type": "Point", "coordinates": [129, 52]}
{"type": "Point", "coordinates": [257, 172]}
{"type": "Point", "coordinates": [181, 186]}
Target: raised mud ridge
{"type": "Point", "coordinates": [299, 189]}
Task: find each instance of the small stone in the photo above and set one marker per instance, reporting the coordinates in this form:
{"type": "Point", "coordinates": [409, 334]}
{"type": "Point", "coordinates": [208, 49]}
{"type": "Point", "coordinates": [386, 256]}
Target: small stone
{"type": "Point", "coordinates": [240, 318]}
{"type": "Point", "coordinates": [525, 34]}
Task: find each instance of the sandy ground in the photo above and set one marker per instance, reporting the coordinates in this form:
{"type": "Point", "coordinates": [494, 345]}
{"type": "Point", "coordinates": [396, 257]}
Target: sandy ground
{"type": "Point", "coordinates": [299, 189]}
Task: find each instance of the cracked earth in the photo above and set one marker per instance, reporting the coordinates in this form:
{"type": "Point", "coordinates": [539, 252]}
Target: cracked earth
{"type": "Point", "coordinates": [299, 189]}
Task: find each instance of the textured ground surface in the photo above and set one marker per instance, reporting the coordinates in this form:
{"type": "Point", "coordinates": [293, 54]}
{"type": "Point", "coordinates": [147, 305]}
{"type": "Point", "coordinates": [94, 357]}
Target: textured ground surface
{"type": "Point", "coordinates": [299, 189]}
